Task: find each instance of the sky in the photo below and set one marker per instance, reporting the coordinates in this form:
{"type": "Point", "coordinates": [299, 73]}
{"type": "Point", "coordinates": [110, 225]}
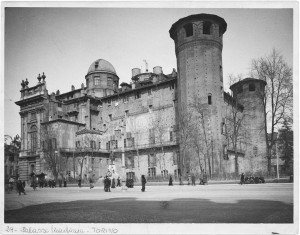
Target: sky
{"type": "Point", "coordinates": [64, 42]}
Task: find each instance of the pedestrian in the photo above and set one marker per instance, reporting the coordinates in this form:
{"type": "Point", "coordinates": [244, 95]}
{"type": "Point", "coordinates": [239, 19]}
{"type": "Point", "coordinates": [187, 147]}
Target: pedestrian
{"type": "Point", "coordinates": [189, 179]}
{"type": "Point", "coordinates": [65, 182]}
{"type": "Point", "coordinates": [113, 183]}
{"type": "Point", "coordinates": [105, 183]}
{"type": "Point", "coordinates": [119, 182]}
{"type": "Point", "coordinates": [242, 179]}
{"type": "Point", "coordinates": [91, 183]}
{"type": "Point", "coordinates": [11, 184]}
{"type": "Point", "coordinates": [205, 179]}
{"type": "Point", "coordinates": [79, 181]}
{"type": "Point", "coordinates": [193, 180]}
{"type": "Point", "coordinates": [143, 183]}
{"type": "Point", "coordinates": [170, 181]}
{"type": "Point", "coordinates": [20, 187]}
{"type": "Point", "coordinates": [108, 184]}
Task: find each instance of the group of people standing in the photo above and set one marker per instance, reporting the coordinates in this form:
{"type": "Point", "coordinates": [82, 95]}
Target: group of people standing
{"type": "Point", "coordinates": [111, 183]}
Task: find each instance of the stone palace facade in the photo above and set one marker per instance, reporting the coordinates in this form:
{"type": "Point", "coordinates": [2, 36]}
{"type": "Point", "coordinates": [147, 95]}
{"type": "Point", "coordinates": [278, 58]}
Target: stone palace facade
{"type": "Point", "coordinates": [139, 128]}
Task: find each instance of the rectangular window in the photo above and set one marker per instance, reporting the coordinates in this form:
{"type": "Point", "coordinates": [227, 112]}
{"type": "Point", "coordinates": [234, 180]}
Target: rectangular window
{"type": "Point", "coordinates": [124, 143]}
{"type": "Point", "coordinates": [97, 81]}
{"type": "Point", "coordinates": [251, 87]}
{"type": "Point", "coordinates": [126, 113]}
{"type": "Point", "coordinates": [99, 145]}
{"type": "Point", "coordinates": [33, 116]}
{"type": "Point", "coordinates": [225, 154]}
{"type": "Point", "coordinates": [54, 143]}
{"type": "Point", "coordinates": [174, 158]}
{"type": "Point", "coordinates": [93, 144]}
{"type": "Point", "coordinates": [209, 99]}
{"type": "Point", "coordinates": [109, 102]}
{"type": "Point", "coordinates": [116, 144]}
{"type": "Point", "coordinates": [109, 82]}
{"type": "Point", "coordinates": [149, 91]}
{"type": "Point", "coordinates": [150, 108]}
{"type": "Point", "coordinates": [108, 145]}
{"type": "Point", "coordinates": [125, 99]}
{"type": "Point", "coordinates": [110, 117]}
{"type": "Point", "coordinates": [59, 105]}
{"type": "Point", "coordinates": [151, 172]}
{"type": "Point", "coordinates": [138, 95]}
{"type": "Point", "coordinates": [172, 86]}
{"type": "Point", "coordinates": [171, 136]}
{"type": "Point", "coordinates": [189, 30]}
{"type": "Point", "coordinates": [175, 174]}
{"type": "Point", "coordinates": [77, 144]}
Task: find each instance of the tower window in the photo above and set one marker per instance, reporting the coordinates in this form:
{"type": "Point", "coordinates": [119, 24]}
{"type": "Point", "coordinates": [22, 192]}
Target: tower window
{"type": "Point", "coordinates": [240, 89]}
{"type": "Point", "coordinates": [97, 80]}
{"type": "Point", "coordinates": [206, 27]}
{"type": "Point", "coordinates": [188, 30]}
{"type": "Point", "coordinates": [110, 117]}
{"type": "Point", "coordinates": [209, 99]}
{"type": "Point", "coordinates": [96, 64]}
{"type": "Point", "coordinates": [251, 87]}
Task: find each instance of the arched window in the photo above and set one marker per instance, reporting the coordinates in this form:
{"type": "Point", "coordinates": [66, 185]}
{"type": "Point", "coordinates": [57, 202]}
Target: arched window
{"type": "Point", "coordinates": [33, 138]}
{"type": "Point", "coordinates": [189, 30]}
{"type": "Point", "coordinates": [209, 99]}
{"type": "Point", "coordinates": [207, 27]}
{"type": "Point", "coordinates": [251, 87]}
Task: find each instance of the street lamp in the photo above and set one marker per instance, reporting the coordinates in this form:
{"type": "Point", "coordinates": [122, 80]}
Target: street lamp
{"type": "Point", "coordinates": [124, 188]}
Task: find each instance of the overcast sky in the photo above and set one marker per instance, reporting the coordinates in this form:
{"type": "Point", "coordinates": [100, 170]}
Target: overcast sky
{"type": "Point", "coordinates": [63, 43]}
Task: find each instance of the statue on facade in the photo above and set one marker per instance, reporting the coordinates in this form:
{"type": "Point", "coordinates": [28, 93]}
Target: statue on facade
{"type": "Point", "coordinates": [23, 84]}
{"type": "Point", "coordinates": [39, 78]}
{"type": "Point", "coordinates": [43, 77]}
{"type": "Point", "coordinates": [26, 83]}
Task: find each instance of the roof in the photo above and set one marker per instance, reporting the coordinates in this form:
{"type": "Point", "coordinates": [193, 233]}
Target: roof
{"type": "Point", "coordinates": [101, 65]}
{"type": "Point", "coordinates": [247, 80]}
{"type": "Point", "coordinates": [198, 17]}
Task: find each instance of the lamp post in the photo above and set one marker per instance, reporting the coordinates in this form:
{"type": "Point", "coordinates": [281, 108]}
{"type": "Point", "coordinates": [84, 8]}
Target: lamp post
{"type": "Point", "coordinates": [124, 188]}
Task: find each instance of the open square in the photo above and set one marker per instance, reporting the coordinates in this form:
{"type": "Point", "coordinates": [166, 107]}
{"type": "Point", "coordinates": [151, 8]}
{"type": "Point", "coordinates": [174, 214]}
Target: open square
{"type": "Point", "coordinates": [216, 203]}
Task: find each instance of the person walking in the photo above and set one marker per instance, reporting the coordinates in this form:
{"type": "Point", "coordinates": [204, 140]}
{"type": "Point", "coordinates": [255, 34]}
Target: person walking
{"type": "Point", "coordinates": [79, 181]}
{"type": "Point", "coordinates": [205, 179]}
{"type": "Point", "coordinates": [170, 181]}
{"type": "Point", "coordinates": [91, 183]}
{"type": "Point", "coordinates": [189, 179]}
{"type": "Point", "coordinates": [113, 183]}
{"type": "Point", "coordinates": [119, 182]}
{"type": "Point", "coordinates": [193, 180]}
{"type": "Point", "coordinates": [108, 184]}
{"type": "Point", "coordinates": [143, 183]}
{"type": "Point", "coordinates": [20, 187]}
{"type": "Point", "coordinates": [242, 179]}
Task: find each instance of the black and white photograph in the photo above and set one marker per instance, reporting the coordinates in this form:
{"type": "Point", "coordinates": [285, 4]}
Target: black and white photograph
{"type": "Point", "coordinates": [150, 117]}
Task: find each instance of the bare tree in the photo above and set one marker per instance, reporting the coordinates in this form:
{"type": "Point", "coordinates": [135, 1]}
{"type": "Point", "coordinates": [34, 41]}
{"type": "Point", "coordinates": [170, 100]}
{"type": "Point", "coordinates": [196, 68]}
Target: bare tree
{"type": "Point", "coordinates": [158, 126]}
{"type": "Point", "coordinates": [278, 96]}
{"type": "Point", "coordinates": [202, 112]}
{"type": "Point", "coordinates": [53, 162]}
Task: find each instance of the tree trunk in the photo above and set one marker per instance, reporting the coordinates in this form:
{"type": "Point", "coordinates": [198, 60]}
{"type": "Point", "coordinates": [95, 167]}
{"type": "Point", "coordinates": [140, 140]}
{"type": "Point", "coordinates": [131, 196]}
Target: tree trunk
{"type": "Point", "coordinates": [236, 167]}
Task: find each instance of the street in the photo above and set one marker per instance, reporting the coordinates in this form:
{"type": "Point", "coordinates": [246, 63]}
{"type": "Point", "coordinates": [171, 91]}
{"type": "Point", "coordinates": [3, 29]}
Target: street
{"type": "Point", "coordinates": [261, 203]}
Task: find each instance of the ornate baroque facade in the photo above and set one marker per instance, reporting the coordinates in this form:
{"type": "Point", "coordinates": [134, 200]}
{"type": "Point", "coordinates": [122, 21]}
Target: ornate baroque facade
{"type": "Point", "coordinates": [105, 125]}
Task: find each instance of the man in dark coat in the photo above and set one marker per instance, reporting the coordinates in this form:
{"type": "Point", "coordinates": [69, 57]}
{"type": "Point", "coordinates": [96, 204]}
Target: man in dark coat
{"type": "Point", "coordinates": [143, 183]}
{"type": "Point", "coordinates": [193, 180]}
{"type": "Point", "coordinates": [20, 187]}
{"type": "Point", "coordinates": [113, 183]}
{"type": "Point", "coordinates": [118, 182]}
{"type": "Point", "coordinates": [242, 179]}
{"type": "Point", "coordinates": [170, 181]}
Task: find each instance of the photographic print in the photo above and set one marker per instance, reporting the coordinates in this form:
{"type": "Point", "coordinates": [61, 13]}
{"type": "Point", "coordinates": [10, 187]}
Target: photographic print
{"type": "Point", "coordinates": [149, 118]}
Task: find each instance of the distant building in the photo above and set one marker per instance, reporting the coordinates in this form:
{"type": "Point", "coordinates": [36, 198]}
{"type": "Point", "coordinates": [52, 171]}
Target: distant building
{"type": "Point", "coordinates": [89, 128]}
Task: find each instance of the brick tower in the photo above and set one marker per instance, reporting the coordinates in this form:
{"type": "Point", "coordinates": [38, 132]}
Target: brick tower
{"type": "Point", "coordinates": [198, 46]}
{"type": "Point", "coordinates": [249, 93]}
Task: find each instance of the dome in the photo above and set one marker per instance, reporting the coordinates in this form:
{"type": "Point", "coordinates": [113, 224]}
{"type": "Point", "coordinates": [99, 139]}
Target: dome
{"type": "Point", "coordinates": [103, 66]}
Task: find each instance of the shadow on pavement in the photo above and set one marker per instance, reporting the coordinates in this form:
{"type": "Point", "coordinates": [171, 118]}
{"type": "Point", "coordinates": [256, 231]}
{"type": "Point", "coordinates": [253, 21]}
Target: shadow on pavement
{"type": "Point", "coordinates": [130, 210]}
